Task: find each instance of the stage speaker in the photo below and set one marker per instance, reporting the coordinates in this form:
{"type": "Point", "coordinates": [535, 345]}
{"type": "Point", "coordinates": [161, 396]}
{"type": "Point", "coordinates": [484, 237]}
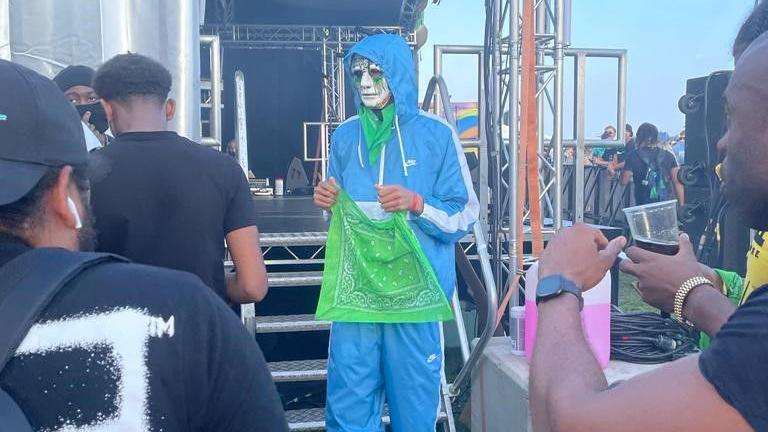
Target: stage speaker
{"type": "Point", "coordinates": [704, 107]}
{"type": "Point", "coordinates": [705, 123]}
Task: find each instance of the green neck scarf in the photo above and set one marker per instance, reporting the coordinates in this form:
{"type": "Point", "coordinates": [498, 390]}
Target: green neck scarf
{"type": "Point", "coordinates": [376, 131]}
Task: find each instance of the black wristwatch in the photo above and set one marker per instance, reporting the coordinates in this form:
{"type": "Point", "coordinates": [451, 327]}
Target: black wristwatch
{"type": "Point", "coordinates": [552, 286]}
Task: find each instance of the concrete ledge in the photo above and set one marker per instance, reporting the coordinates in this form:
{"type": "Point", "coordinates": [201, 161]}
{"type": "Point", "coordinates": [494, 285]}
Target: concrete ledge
{"type": "Point", "coordinates": [500, 388]}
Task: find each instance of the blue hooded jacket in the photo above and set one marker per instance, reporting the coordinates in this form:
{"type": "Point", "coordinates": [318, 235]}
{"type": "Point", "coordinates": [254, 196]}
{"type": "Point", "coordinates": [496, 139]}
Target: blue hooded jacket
{"type": "Point", "coordinates": [423, 154]}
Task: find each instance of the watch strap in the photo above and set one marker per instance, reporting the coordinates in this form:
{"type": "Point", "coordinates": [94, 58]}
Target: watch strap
{"type": "Point", "coordinates": [565, 286]}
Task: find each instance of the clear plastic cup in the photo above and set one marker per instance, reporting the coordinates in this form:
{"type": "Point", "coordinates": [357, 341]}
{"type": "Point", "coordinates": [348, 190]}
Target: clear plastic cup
{"type": "Point", "coordinates": [654, 226]}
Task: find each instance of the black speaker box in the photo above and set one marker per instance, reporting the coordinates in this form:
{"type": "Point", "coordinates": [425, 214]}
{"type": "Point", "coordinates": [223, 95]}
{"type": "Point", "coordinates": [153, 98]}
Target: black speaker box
{"type": "Point", "coordinates": [705, 123]}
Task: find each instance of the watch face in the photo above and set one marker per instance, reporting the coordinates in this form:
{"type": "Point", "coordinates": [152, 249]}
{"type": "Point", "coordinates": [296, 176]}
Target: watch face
{"type": "Point", "coordinates": [548, 287]}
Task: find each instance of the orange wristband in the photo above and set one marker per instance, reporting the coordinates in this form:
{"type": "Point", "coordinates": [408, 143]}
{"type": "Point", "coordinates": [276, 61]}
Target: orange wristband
{"type": "Point", "coordinates": [416, 202]}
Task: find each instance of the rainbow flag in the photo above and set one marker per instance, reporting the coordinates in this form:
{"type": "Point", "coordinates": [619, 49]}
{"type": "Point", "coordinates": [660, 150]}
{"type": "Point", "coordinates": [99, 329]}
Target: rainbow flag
{"type": "Point", "coordinates": [467, 120]}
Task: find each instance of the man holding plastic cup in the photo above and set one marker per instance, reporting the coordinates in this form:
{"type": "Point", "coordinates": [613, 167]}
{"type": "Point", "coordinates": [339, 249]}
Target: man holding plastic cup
{"type": "Point", "coordinates": [724, 388]}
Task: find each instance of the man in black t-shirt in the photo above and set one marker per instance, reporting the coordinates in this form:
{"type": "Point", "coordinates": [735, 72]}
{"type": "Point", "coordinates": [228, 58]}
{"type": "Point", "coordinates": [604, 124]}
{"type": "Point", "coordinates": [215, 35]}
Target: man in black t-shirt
{"type": "Point", "coordinates": [163, 200]}
{"type": "Point", "coordinates": [122, 346]}
{"type": "Point", "coordinates": [652, 168]}
{"type": "Point", "coordinates": [723, 389]}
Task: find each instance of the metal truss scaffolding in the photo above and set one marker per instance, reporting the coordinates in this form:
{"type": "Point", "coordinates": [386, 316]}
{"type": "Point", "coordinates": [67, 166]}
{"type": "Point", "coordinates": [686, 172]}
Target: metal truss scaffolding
{"type": "Point", "coordinates": [503, 44]}
{"type": "Point", "coordinates": [331, 42]}
{"type": "Point", "coordinates": [411, 12]}
{"type": "Point", "coordinates": [296, 36]}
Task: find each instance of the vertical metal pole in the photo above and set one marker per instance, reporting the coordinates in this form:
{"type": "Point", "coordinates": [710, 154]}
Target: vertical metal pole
{"type": "Point", "coordinates": [513, 106]}
{"type": "Point", "coordinates": [341, 80]}
{"type": "Point", "coordinates": [216, 88]}
{"type": "Point", "coordinates": [497, 139]}
{"type": "Point", "coordinates": [579, 84]}
{"type": "Point", "coordinates": [214, 140]}
{"type": "Point", "coordinates": [622, 99]}
{"type": "Point", "coordinates": [326, 84]}
{"type": "Point", "coordinates": [483, 147]}
{"type": "Point", "coordinates": [541, 27]}
{"type": "Point", "coordinates": [438, 65]}
{"type": "Point", "coordinates": [332, 84]}
{"type": "Point", "coordinates": [5, 33]}
{"type": "Point", "coordinates": [241, 127]}
{"type": "Point", "coordinates": [557, 133]}
{"type": "Point", "coordinates": [324, 150]}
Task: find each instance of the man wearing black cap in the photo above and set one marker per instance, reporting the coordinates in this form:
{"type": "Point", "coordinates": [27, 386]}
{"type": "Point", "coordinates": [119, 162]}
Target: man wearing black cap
{"type": "Point", "coordinates": [164, 200]}
{"type": "Point", "coordinates": [75, 82]}
{"type": "Point", "coordinates": [121, 346]}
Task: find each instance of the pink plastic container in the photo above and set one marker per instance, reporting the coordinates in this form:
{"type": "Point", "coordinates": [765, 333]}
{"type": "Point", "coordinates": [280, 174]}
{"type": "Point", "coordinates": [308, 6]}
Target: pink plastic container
{"type": "Point", "coordinates": [595, 318]}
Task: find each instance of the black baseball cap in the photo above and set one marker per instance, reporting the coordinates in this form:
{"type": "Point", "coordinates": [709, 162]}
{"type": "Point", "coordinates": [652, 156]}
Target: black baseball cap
{"type": "Point", "coordinates": [71, 76]}
{"type": "Point", "coordinates": [39, 129]}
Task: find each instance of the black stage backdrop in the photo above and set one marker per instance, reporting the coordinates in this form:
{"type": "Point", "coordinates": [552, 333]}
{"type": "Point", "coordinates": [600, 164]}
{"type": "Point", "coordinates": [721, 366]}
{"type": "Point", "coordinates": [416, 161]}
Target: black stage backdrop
{"type": "Point", "coordinates": [283, 89]}
{"type": "Point", "coordinates": [305, 12]}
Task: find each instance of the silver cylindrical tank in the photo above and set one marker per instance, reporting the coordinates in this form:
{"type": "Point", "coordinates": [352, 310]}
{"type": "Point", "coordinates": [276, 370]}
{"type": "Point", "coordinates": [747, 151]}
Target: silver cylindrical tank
{"type": "Point", "coordinates": [168, 31]}
{"type": "Point", "coordinates": [48, 35]}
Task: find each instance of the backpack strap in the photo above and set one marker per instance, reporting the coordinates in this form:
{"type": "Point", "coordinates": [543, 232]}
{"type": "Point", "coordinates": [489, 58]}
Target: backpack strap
{"type": "Point", "coordinates": [27, 285]}
{"type": "Point", "coordinates": [647, 156]}
{"type": "Point", "coordinates": [660, 164]}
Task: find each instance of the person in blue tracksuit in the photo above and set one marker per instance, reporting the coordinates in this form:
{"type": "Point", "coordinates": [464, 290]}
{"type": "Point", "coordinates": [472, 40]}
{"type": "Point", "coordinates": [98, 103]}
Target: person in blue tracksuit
{"type": "Point", "coordinates": [392, 157]}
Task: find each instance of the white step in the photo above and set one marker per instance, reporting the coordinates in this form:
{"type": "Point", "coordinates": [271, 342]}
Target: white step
{"type": "Point", "coordinates": [288, 323]}
{"type": "Point", "coordinates": [311, 239]}
{"type": "Point", "coordinates": [293, 239]}
{"type": "Point", "coordinates": [295, 279]}
{"type": "Point", "coordinates": [296, 371]}
{"type": "Point", "coordinates": [313, 419]}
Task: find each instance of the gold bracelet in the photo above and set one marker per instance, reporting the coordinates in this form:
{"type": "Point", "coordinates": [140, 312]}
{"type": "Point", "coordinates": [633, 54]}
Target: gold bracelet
{"type": "Point", "coordinates": [682, 294]}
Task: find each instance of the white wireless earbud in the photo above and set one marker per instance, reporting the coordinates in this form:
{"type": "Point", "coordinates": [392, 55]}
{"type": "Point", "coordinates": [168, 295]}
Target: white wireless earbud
{"type": "Point", "coordinates": [73, 209]}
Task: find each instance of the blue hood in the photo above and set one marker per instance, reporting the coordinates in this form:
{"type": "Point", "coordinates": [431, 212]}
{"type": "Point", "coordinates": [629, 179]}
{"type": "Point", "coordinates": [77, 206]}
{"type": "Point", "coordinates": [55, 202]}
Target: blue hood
{"type": "Point", "coordinates": [393, 55]}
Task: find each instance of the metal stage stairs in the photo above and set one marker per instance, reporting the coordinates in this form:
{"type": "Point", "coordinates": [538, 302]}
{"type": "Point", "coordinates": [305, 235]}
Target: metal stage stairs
{"type": "Point", "coordinates": [301, 282]}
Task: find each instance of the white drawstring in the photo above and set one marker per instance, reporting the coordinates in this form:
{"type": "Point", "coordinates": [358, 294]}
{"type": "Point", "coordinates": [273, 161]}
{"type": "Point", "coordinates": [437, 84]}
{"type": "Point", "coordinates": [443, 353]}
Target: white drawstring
{"type": "Point", "coordinates": [360, 144]}
{"type": "Point", "coordinates": [381, 164]}
{"type": "Point", "coordinates": [400, 140]}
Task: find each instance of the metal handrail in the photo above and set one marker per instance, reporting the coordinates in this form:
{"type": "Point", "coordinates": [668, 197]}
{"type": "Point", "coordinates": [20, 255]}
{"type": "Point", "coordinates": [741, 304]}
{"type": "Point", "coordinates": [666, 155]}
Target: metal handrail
{"type": "Point", "coordinates": [437, 82]}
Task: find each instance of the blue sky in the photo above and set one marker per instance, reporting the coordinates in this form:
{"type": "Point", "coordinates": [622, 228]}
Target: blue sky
{"type": "Point", "coordinates": [667, 41]}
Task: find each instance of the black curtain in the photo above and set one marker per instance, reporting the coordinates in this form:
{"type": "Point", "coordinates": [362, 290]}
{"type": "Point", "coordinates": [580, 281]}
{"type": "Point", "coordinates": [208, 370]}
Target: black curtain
{"type": "Point", "coordinates": [283, 89]}
{"type": "Point", "coordinates": [317, 12]}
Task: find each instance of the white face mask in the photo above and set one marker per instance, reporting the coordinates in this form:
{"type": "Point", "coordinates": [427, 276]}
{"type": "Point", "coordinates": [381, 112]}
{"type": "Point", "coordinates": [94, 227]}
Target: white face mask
{"type": "Point", "coordinates": [370, 82]}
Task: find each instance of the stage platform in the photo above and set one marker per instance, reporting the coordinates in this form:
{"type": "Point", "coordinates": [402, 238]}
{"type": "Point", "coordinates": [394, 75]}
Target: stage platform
{"type": "Point", "coordinates": [298, 214]}
{"type": "Point", "coordinates": [289, 214]}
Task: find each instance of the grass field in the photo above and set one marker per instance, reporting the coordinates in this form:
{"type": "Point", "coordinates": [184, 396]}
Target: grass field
{"type": "Point", "coordinates": [629, 299]}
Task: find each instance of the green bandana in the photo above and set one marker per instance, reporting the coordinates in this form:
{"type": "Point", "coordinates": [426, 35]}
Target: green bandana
{"type": "Point", "coordinates": [376, 271]}
{"type": "Point", "coordinates": [376, 131]}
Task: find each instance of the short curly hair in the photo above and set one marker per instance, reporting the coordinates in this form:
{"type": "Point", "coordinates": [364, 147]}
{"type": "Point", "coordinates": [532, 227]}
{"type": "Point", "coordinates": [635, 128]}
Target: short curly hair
{"type": "Point", "coordinates": [127, 75]}
{"type": "Point", "coordinates": [755, 25]}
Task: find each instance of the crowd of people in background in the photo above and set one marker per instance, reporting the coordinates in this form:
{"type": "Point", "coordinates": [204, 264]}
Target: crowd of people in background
{"type": "Point", "coordinates": [649, 160]}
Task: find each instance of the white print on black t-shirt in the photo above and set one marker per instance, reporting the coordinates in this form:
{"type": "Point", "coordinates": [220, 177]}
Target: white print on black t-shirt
{"type": "Point", "coordinates": [125, 332]}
